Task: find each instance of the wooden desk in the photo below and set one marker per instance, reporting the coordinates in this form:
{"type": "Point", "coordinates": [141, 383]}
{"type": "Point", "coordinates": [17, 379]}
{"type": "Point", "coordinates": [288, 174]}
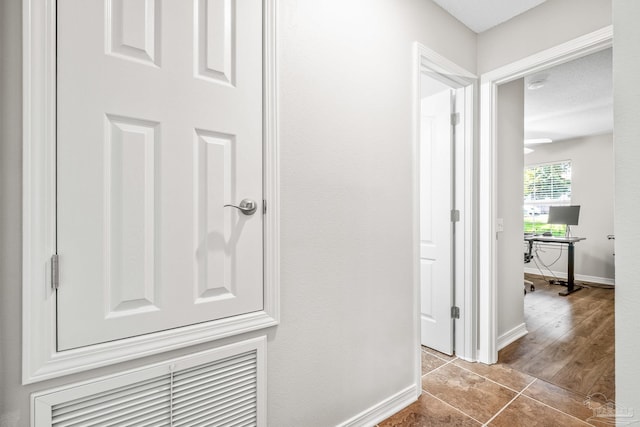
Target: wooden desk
{"type": "Point", "coordinates": [569, 241]}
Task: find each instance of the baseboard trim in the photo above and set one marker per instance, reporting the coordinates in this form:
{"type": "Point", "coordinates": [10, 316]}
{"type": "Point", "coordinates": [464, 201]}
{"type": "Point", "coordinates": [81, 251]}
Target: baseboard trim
{"type": "Point", "coordinates": [385, 409]}
{"type": "Point", "coordinates": [578, 277]}
{"type": "Point", "coordinates": [512, 335]}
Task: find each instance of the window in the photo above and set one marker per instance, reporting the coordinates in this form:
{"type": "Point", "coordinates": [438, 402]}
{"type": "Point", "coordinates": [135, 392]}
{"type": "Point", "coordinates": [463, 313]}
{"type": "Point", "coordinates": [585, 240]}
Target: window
{"type": "Point", "coordinates": [546, 184]}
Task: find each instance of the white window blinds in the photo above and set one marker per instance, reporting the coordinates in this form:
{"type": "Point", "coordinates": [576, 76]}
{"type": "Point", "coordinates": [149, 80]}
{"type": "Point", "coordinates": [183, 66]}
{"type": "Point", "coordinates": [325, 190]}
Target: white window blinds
{"type": "Point", "coordinates": [548, 183]}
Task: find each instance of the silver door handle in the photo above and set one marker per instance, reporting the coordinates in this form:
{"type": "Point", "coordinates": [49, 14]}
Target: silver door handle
{"type": "Point", "coordinates": [247, 206]}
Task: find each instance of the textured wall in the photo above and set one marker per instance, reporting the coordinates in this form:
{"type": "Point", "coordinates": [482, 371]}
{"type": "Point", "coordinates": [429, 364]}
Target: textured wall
{"type": "Point", "coordinates": [543, 27]}
{"type": "Point", "coordinates": [346, 110]}
{"type": "Point", "coordinates": [626, 95]}
{"type": "Point", "coordinates": [510, 132]}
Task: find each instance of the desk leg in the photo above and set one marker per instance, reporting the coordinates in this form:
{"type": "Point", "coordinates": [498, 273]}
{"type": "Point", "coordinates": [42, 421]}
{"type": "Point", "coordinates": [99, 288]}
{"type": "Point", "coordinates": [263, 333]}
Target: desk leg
{"type": "Point", "coordinates": [571, 288]}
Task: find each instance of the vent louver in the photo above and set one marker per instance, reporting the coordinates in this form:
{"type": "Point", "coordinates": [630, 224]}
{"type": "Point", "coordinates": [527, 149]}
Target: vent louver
{"type": "Point", "coordinates": [184, 392]}
{"type": "Point", "coordinates": [144, 403]}
{"type": "Point", "coordinates": [221, 393]}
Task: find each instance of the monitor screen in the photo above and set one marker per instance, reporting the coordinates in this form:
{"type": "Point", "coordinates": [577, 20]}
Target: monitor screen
{"type": "Point", "coordinates": [567, 215]}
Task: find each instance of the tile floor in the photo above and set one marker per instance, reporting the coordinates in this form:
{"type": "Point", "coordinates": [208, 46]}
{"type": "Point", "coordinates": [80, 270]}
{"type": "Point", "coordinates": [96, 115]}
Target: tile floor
{"type": "Point", "coordinates": [459, 393]}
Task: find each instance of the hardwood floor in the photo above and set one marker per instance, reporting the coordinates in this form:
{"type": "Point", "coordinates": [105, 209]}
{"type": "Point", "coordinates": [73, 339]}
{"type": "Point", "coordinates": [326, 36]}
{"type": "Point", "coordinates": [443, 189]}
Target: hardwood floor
{"type": "Point", "coordinates": [570, 341]}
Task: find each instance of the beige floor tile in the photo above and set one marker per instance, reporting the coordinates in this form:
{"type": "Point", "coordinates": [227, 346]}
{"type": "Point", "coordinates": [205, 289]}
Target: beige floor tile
{"type": "Point", "coordinates": [566, 401]}
{"type": "Point", "coordinates": [430, 362]}
{"type": "Point", "coordinates": [474, 395]}
{"type": "Point", "coordinates": [499, 373]}
{"type": "Point", "coordinates": [528, 412]}
{"type": "Point", "coordinates": [426, 412]}
{"type": "Point", "coordinates": [439, 355]}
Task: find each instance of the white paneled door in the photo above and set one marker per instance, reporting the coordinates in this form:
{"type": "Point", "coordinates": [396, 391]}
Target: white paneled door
{"type": "Point", "coordinates": [159, 122]}
{"type": "Point", "coordinates": [436, 228]}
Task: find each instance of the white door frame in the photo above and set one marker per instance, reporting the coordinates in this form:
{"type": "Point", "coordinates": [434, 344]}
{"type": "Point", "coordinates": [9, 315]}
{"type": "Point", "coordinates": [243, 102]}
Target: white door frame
{"type": "Point", "coordinates": [487, 192]}
{"type": "Point", "coordinates": [439, 67]}
{"type": "Point", "coordinates": [40, 359]}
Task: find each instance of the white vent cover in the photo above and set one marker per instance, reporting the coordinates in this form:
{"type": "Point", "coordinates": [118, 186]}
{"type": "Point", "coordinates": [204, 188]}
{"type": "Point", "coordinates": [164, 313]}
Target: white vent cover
{"type": "Point", "coordinates": [222, 387]}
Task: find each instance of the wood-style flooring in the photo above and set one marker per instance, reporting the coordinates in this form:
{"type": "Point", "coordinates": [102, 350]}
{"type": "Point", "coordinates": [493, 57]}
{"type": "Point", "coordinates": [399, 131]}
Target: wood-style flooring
{"type": "Point", "coordinates": [570, 341]}
{"type": "Point", "coordinates": [559, 374]}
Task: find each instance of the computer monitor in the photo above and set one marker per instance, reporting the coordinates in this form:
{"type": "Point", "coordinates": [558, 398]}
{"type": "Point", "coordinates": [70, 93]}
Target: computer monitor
{"type": "Point", "coordinates": [565, 215]}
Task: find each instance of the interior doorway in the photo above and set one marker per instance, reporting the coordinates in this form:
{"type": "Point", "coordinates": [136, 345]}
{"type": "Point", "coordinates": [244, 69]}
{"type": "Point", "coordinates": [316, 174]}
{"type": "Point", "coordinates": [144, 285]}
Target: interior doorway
{"type": "Point", "coordinates": [489, 224]}
{"type": "Point", "coordinates": [567, 116]}
{"type": "Point", "coordinates": [443, 202]}
{"type": "Point", "coordinates": [438, 123]}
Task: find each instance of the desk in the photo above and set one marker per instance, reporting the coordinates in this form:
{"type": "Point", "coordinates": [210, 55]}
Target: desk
{"type": "Point", "coordinates": [570, 241]}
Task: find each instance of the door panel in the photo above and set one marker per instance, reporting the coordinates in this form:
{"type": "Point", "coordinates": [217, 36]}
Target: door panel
{"type": "Point", "coordinates": [159, 126]}
{"type": "Point", "coordinates": [435, 222]}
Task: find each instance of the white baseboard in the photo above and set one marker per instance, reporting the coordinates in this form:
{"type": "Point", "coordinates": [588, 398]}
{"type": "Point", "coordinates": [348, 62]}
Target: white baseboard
{"type": "Point", "coordinates": [512, 335]}
{"type": "Point", "coordinates": [578, 277]}
{"type": "Point", "coordinates": [385, 409]}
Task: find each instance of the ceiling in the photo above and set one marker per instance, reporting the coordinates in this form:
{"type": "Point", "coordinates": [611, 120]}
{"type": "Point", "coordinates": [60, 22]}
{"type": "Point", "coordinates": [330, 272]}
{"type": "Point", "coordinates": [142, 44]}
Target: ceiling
{"type": "Point", "coordinates": [480, 15]}
{"type": "Point", "coordinates": [576, 98]}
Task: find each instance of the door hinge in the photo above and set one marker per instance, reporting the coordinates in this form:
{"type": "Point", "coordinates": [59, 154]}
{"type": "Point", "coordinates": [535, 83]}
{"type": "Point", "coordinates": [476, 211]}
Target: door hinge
{"type": "Point", "coordinates": [455, 312]}
{"type": "Point", "coordinates": [55, 274]}
{"type": "Point", "coordinates": [455, 119]}
{"type": "Point", "coordinates": [264, 207]}
{"type": "Point", "coordinates": [455, 215]}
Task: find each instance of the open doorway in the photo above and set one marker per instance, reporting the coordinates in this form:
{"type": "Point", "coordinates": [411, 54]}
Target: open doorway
{"type": "Point", "coordinates": [438, 139]}
{"type": "Point", "coordinates": [488, 226]}
{"type": "Point", "coordinates": [567, 210]}
{"type": "Point", "coordinates": [444, 123]}
{"type": "Point", "coordinates": [495, 289]}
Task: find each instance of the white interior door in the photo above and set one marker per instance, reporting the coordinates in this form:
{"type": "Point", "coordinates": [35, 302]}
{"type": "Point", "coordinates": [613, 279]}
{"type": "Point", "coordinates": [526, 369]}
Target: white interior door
{"type": "Point", "coordinates": [436, 227]}
{"type": "Point", "coordinates": [159, 126]}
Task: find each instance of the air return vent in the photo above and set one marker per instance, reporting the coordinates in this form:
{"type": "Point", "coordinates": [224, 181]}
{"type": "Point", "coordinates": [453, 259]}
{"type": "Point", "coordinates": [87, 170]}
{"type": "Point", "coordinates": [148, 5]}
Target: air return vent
{"type": "Point", "coordinates": [222, 387]}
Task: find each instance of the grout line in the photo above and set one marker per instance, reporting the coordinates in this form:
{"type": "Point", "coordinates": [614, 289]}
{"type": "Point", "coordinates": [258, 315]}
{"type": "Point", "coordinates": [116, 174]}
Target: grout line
{"type": "Point", "coordinates": [555, 409]}
{"type": "Point", "coordinates": [435, 369]}
{"type": "Point", "coordinates": [438, 367]}
{"type": "Point", "coordinates": [521, 393]}
{"type": "Point", "coordinates": [509, 403]}
{"type": "Point", "coordinates": [439, 357]}
{"type": "Point", "coordinates": [450, 405]}
{"type": "Point", "coordinates": [496, 382]}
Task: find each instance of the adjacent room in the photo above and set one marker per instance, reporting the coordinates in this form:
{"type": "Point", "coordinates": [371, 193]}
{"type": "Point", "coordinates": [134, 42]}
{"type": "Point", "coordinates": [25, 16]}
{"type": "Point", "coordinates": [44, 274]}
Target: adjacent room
{"type": "Point", "coordinates": [568, 211]}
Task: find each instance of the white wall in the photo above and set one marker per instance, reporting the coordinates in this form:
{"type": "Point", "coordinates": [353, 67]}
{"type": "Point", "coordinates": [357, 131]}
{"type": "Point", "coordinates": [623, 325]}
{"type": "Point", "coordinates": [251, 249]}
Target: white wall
{"type": "Point", "coordinates": [626, 95]}
{"type": "Point", "coordinates": [540, 28]}
{"type": "Point", "coordinates": [347, 332]}
{"type": "Point", "coordinates": [592, 188]}
{"type": "Point", "coordinates": [12, 398]}
{"type": "Point", "coordinates": [509, 135]}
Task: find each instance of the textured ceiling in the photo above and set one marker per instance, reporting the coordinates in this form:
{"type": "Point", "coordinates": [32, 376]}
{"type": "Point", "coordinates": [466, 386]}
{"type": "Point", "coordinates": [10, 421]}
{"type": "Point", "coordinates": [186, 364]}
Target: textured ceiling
{"type": "Point", "coordinates": [480, 15]}
{"type": "Point", "coordinates": [576, 99]}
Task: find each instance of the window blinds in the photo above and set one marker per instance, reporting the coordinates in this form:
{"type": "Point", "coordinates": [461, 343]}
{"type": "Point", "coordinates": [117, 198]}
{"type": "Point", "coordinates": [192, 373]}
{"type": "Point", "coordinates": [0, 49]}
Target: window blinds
{"type": "Point", "coordinates": [548, 183]}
